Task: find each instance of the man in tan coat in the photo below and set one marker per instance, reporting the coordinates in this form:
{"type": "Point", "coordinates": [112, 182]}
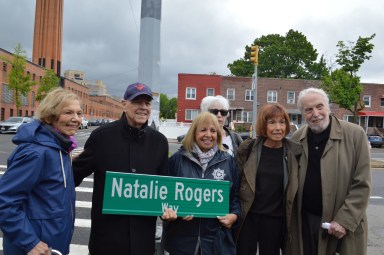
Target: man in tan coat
{"type": "Point", "coordinates": [334, 183]}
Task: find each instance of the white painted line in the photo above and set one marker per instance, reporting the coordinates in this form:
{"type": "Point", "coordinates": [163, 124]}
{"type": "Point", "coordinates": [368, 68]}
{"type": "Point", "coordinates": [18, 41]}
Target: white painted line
{"type": "Point", "coordinates": [81, 189]}
{"type": "Point", "coordinates": [3, 166]}
{"type": "Point", "coordinates": [75, 249]}
{"type": "Point", "coordinates": [82, 223]}
{"type": "Point", "coordinates": [84, 204]}
{"type": "Point", "coordinates": [376, 197]}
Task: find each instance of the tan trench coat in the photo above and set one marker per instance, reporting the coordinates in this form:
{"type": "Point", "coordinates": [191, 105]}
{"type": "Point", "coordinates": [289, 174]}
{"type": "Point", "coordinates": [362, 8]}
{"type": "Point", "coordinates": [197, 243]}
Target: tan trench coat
{"type": "Point", "coordinates": [346, 185]}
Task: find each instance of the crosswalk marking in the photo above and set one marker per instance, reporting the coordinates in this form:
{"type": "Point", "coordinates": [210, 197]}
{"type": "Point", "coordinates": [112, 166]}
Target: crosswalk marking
{"type": "Point", "coordinates": [82, 189]}
{"type": "Point", "coordinates": [82, 223]}
{"type": "Point", "coordinates": [83, 204]}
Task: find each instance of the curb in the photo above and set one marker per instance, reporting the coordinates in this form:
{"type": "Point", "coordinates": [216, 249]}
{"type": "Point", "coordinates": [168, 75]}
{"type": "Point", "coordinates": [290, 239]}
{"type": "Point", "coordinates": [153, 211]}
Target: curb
{"type": "Point", "coordinates": [377, 164]}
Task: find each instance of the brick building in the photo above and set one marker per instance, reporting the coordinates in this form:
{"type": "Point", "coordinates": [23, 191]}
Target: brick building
{"type": "Point", "coordinates": [93, 107]}
{"type": "Point", "coordinates": [238, 90]}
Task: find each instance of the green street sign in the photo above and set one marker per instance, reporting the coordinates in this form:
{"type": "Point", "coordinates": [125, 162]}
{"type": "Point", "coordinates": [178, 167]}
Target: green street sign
{"type": "Point", "coordinates": [150, 195]}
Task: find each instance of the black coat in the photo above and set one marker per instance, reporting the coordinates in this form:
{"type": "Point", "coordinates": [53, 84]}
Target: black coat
{"type": "Point", "coordinates": [119, 147]}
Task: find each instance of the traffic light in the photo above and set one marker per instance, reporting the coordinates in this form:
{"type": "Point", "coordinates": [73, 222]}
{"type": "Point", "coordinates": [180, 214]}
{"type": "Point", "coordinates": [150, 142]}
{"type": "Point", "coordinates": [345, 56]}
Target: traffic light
{"type": "Point", "coordinates": [255, 54]}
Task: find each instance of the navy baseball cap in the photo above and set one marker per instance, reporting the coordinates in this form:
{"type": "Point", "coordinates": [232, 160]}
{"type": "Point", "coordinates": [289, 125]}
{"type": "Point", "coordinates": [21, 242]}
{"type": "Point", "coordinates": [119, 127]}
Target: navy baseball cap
{"type": "Point", "coordinates": [137, 89]}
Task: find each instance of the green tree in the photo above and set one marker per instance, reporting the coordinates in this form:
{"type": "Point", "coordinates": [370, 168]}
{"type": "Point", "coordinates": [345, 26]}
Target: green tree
{"type": "Point", "coordinates": [49, 81]}
{"type": "Point", "coordinates": [343, 85]}
{"type": "Point", "coordinates": [167, 107]}
{"type": "Point", "coordinates": [18, 82]}
{"type": "Point", "coordinates": [289, 56]}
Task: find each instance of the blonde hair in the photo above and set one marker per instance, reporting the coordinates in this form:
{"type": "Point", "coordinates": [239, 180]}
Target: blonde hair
{"type": "Point", "coordinates": [50, 107]}
{"type": "Point", "coordinates": [201, 119]}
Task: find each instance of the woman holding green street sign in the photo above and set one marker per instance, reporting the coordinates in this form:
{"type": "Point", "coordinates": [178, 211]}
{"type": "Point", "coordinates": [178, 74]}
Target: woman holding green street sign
{"type": "Point", "coordinates": [203, 156]}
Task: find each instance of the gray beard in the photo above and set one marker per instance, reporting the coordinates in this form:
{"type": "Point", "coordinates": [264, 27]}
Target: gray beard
{"type": "Point", "coordinates": [317, 129]}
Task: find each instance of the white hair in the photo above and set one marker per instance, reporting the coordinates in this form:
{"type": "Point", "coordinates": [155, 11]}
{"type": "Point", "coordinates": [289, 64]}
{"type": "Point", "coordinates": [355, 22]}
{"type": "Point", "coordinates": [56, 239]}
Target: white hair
{"type": "Point", "coordinates": [209, 100]}
{"type": "Point", "coordinates": [307, 91]}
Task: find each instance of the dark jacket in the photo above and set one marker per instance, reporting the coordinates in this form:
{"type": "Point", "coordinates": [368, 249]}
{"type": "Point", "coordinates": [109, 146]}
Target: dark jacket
{"type": "Point", "coordinates": [118, 147]}
{"type": "Point", "coordinates": [182, 237]}
{"type": "Point", "coordinates": [37, 192]}
{"type": "Point", "coordinates": [248, 158]}
{"type": "Point", "coordinates": [236, 140]}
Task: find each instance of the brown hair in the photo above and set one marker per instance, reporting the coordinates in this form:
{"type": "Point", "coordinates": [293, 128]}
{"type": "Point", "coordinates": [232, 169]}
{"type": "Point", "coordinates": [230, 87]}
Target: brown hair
{"type": "Point", "coordinates": [201, 119]}
{"type": "Point", "coordinates": [267, 112]}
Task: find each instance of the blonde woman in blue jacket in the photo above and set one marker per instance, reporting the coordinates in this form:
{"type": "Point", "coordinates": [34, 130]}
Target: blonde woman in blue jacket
{"type": "Point", "coordinates": [37, 191]}
{"type": "Point", "coordinates": [202, 156]}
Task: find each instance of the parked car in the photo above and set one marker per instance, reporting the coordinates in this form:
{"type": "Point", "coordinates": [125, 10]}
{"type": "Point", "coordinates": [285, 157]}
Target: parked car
{"type": "Point", "coordinates": [180, 138]}
{"type": "Point", "coordinates": [376, 141]}
{"type": "Point", "coordinates": [12, 124]}
{"type": "Point", "coordinates": [94, 122]}
{"type": "Point", "coordinates": [84, 123]}
{"type": "Point", "coordinates": [244, 135]}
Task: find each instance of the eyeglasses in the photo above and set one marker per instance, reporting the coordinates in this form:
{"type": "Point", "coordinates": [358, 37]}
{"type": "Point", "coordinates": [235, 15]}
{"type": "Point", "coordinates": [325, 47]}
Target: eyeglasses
{"type": "Point", "coordinates": [216, 111]}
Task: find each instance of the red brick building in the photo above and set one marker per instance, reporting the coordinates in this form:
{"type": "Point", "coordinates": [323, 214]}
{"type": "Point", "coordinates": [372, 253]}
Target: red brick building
{"type": "Point", "coordinates": [238, 90]}
{"type": "Point", "coordinates": [192, 88]}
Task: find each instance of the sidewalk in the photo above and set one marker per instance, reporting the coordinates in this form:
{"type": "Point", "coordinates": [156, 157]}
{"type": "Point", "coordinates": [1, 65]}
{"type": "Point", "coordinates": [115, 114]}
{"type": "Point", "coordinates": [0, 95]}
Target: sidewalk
{"type": "Point", "coordinates": [375, 230]}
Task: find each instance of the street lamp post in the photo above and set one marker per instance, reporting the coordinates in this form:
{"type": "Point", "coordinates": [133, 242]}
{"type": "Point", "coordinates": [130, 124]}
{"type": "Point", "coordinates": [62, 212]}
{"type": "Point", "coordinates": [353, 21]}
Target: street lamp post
{"type": "Point", "coordinates": [254, 60]}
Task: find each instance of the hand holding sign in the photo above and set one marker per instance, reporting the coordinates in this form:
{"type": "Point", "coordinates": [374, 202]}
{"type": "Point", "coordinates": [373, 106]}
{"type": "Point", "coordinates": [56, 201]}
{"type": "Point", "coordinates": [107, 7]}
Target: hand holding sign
{"type": "Point", "coordinates": [169, 215]}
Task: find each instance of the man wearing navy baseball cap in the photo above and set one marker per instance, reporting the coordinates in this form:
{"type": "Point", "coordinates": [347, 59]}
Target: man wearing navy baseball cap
{"type": "Point", "coordinates": [127, 145]}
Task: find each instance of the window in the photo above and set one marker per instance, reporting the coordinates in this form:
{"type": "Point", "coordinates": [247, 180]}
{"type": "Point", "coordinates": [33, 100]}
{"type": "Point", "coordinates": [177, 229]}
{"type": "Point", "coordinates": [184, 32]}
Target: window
{"type": "Point", "coordinates": [210, 92]}
{"type": "Point", "coordinates": [290, 97]}
{"type": "Point", "coordinates": [7, 96]}
{"type": "Point", "coordinates": [191, 93]}
{"type": "Point", "coordinates": [247, 117]}
{"type": "Point", "coordinates": [272, 96]}
{"type": "Point", "coordinates": [4, 66]}
{"type": "Point", "coordinates": [348, 118]}
{"type": "Point", "coordinates": [238, 116]}
{"type": "Point", "coordinates": [24, 100]}
{"type": "Point", "coordinates": [231, 94]}
{"type": "Point", "coordinates": [33, 99]}
{"type": "Point", "coordinates": [191, 114]}
{"type": "Point", "coordinates": [367, 101]}
{"type": "Point", "coordinates": [382, 102]}
{"type": "Point", "coordinates": [248, 95]}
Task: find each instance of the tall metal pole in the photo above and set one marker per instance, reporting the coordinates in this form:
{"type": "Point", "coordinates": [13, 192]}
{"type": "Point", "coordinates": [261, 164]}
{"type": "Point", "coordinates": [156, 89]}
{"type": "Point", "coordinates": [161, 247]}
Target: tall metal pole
{"type": "Point", "coordinates": [254, 108]}
{"type": "Point", "coordinates": [254, 59]}
{"type": "Point", "coordinates": [149, 53]}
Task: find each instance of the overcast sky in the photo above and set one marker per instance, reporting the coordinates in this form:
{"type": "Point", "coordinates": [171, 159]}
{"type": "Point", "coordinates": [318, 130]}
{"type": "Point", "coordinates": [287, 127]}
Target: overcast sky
{"type": "Point", "coordinates": [101, 37]}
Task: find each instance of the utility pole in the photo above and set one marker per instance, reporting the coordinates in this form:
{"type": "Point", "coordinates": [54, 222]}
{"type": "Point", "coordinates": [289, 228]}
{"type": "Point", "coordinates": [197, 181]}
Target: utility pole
{"type": "Point", "coordinates": [254, 60]}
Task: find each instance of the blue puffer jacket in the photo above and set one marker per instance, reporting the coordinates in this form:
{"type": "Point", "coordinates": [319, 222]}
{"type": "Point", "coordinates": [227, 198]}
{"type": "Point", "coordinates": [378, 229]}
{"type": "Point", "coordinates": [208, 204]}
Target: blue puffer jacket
{"type": "Point", "coordinates": [182, 237]}
{"type": "Point", "coordinates": [37, 192]}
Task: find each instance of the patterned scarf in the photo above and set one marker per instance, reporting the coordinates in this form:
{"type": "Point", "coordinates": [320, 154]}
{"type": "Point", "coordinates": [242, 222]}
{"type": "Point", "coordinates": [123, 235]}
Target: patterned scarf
{"type": "Point", "coordinates": [204, 157]}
